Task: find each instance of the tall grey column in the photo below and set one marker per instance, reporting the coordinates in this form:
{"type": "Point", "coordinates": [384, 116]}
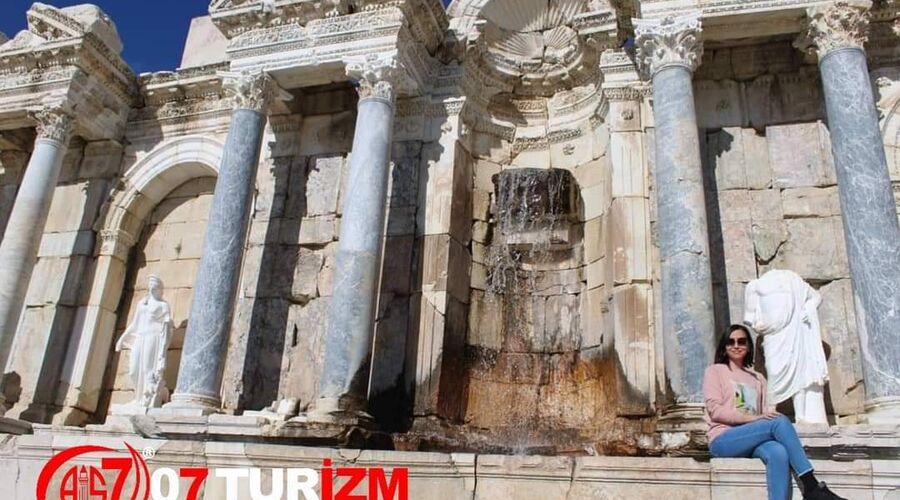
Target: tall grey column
{"type": "Point", "coordinates": [215, 289]}
{"type": "Point", "coordinates": [19, 248]}
{"type": "Point", "coordinates": [351, 318]}
{"type": "Point", "coordinates": [871, 230]}
{"type": "Point", "coordinates": [670, 50]}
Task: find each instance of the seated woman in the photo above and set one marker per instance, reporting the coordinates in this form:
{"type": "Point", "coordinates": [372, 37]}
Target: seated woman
{"type": "Point", "coordinates": [742, 426]}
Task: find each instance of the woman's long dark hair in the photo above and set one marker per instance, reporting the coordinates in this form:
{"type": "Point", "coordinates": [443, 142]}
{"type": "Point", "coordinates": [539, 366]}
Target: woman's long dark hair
{"type": "Point", "coordinates": [722, 356]}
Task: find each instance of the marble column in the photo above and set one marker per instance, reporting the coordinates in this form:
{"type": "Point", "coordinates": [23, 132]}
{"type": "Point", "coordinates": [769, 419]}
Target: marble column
{"type": "Point", "coordinates": [344, 380]}
{"type": "Point", "coordinates": [215, 289]}
{"type": "Point", "coordinates": [669, 50]}
{"type": "Point", "coordinates": [19, 248]}
{"type": "Point", "coordinates": [837, 33]}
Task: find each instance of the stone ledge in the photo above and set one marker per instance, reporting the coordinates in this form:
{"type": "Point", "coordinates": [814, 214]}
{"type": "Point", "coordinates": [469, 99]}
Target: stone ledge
{"type": "Point", "coordinates": [464, 475]}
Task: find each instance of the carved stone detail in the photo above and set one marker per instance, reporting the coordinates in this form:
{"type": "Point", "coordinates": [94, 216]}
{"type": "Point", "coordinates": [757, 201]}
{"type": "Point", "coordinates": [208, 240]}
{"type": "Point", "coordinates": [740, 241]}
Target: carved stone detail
{"type": "Point", "coordinates": [376, 74]}
{"type": "Point", "coordinates": [54, 123]}
{"type": "Point", "coordinates": [673, 41]}
{"type": "Point", "coordinates": [841, 25]}
{"type": "Point", "coordinates": [250, 90]}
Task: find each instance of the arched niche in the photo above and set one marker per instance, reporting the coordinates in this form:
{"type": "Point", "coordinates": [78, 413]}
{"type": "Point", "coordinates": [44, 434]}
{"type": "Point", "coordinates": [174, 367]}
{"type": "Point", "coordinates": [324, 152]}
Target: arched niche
{"type": "Point", "coordinates": [143, 186]}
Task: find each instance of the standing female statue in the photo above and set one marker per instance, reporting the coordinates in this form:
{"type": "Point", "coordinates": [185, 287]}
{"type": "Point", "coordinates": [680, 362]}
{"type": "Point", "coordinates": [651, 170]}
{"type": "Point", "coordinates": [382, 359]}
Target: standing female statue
{"type": "Point", "coordinates": [152, 332]}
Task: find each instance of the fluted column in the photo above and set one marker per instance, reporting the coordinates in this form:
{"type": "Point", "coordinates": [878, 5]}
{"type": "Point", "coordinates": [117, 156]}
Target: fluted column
{"type": "Point", "coordinates": [837, 33]}
{"type": "Point", "coordinates": [351, 318]}
{"type": "Point", "coordinates": [670, 50]}
{"type": "Point", "coordinates": [18, 250]}
{"type": "Point", "coordinates": [215, 289]}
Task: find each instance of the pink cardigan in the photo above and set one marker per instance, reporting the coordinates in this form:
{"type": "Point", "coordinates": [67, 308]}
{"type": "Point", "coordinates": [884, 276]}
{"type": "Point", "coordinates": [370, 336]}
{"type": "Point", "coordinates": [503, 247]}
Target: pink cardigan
{"type": "Point", "coordinates": [720, 385]}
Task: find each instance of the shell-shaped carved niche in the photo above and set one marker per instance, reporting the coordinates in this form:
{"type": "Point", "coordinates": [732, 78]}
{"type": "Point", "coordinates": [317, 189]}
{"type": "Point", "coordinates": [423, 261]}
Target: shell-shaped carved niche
{"type": "Point", "coordinates": [531, 15]}
{"type": "Point", "coordinates": [521, 45]}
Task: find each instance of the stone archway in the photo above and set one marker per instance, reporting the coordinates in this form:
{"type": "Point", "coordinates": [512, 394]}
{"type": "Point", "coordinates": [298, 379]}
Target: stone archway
{"type": "Point", "coordinates": [145, 184]}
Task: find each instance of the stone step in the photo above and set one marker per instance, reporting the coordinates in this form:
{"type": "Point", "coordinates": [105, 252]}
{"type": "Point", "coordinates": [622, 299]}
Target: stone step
{"type": "Point", "coordinates": [462, 475]}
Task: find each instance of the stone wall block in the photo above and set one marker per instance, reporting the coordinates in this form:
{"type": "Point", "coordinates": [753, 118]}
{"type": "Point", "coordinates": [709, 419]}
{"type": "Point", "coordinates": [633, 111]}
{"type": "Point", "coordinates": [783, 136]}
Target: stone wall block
{"type": "Point", "coordinates": [595, 308]}
{"type": "Point", "coordinates": [102, 159]}
{"type": "Point", "coordinates": [718, 103]}
{"type": "Point", "coordinates": [814, 249]}
{"type": "Point", "coordinates": [327, 134]}
{"type": "Point", "coordinates": [67, 244]}
{"type": "Point", "coordinates": [768, 237]}
{"type": "Point", "coordinates": [725, 153]}
{"type": "Point", "coordinates": [766, 205]}
{"type": "Point", "coordinates": [740, 260]}
{"type": "Point", "coordinates": [800, 155]}
{"type": "Point", "coordinates": [561, 324]}
{"type": "Point", "coordinates": [304, 284]}
{"type": "Point", "coordinates": [389, 348]}
{"type": "Point", "coordinates": [594, 241]}
{"type": "Point", "coordinates": [837, 319]}
{"type": "Point", "coordinates": [481, 205]}
{"type": "Point", "coordinates": [401, 221]}
{"type": "Point", "coordinates": [485, 325]}
{"type": "Point", "coordinates": [56, 280]}
{"type": "Point", "coordinates": [323, 183]}
{"type": "Point", "coordinates": [629, 177]}
{"type": "Point", "coordinates": [573, 152]}
{"type": "Point", "coordinates": [396, 273]}
{"type": "Point", "coordinates": [304, 350]}
{"type": "Point", "coordinates": [630, 240]}
{"type": "Point", "coordinates": [757, 166]}
{"type": "Point", "coordinates": [734, 205]}
{"type": "Point", "coordinates": [632, 313]}
{"type": "Point", "coordinates": [625, 116]}
{"type": "Point", "coordinates": [810, 202]}
{"type": "Point", "coordinates": [313, 231]}
{"type": "Point", "coordinates": [592, 173]}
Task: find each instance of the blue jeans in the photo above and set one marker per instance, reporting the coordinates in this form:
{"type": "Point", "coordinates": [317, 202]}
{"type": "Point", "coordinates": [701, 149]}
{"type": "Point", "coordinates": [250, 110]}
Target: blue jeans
{"type": "Point", "coordinates": [775, 442]}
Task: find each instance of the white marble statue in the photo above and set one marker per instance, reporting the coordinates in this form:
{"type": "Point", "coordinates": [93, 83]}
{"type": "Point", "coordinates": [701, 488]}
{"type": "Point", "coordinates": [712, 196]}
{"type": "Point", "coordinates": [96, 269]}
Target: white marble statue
{"type": "Point", "coordinates": [152, 332]}
{"type": "Point", "coordinates": [782, 309]}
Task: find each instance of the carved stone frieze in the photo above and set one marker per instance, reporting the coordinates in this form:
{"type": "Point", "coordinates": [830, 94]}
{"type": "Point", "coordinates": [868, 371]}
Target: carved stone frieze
{"type": "Point", "coordinates": [54, 122]}
{"type": "Point", "coordinates": [250, 90]}
{"type": "Point", "coordinates": [840, 25]}
{"type": "Point", "coordinates": [376, 74]}
{"type": "Point", "coordinates": [672, 41]}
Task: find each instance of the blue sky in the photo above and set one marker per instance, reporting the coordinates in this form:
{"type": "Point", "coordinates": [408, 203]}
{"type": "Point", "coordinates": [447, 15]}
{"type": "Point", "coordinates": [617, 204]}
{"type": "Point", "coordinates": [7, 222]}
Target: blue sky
{"type": "Point", "coordinates": [153, 31]}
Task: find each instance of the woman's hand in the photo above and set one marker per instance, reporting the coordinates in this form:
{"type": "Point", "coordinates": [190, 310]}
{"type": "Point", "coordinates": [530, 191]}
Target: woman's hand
{"type": "Point", "coordinates": [767, 415]}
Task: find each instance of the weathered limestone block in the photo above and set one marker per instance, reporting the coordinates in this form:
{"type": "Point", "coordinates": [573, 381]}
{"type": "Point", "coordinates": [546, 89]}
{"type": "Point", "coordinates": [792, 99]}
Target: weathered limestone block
{"type": "Point", "coordinates": [389, 349]}
{"type": "Point", "coordinates": [814, 249]}
{"type": "Point", "coordinates": [485, 321]}
{"type": "Point", "coordinates": [629, 242]}
{"type": "Point", "coordinates": [304, 351]}
{"type": "Point", "coordinates": [725, 152]}
{"type": "Point", "coordinates": [445, 199]}
{"type": "Point", "coordinates": [631, 308]}
{"type": "Point", "coordinates": [403, 185]}
{"type": "Point", "coordinates": [446, 266]}
{"type": "Point", "coordinates": [594, 239]}
{"type": "Point", "coordinates": [737, 243]}
{"type": "Point", "coordinates": [323, 182]}
{"type": "Point", "coordinates": [494, 472]}
{"type": "Point", "coordinates": [595, 317]}
{"type": "Point", "coordinates": [562, 324]}
{"type": "Point", "coordinates": [304, 286]}
{"type": "Point", "coordinates": [734, 205]}
{"type": "Point", "coordinates": [768, 237]}
{"type": "Point", "coordinates": [624, 478]}
{"type": "Point", "coordinates": [205, 44]}
{"type": "Point", "coordinates": [757, 164]}
{"type": "Point", "coordinates": [810, 202]}
{"type": "Point", "coordinates": [401, 221]}
{"type": "Point", "coordinates": [765, 205]}
{"type": "Point", "coordinates": [102, 159]}
{"type": "Point", "coordinates": [745, 478]}
{"type": "Point", "coordinates": [327, 134]}
{"type": "Point", "coordinates": [718, 103]}
{"type": "Point", "coordinates": [795, 166]}
{"type": "Point", "coordinates": [629, 176]}
{"type": "Point", "coordinates": [837, 318]}
{"type": "Point", "coordinates": [75, 206]}
{"type": "Point", "coordinates": [55, 280]}
{"type": "Point", "coordinates": [315, 231]}
{"type": "Point", "coordinates": [398, 264]}
{"type": "Point", "coordinates": [273, 184]}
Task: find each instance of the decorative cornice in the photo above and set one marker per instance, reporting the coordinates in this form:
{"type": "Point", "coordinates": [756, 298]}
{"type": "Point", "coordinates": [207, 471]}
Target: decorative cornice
{"type": "Point", "coordinates": [54, 123]}
{"type": "Point", "coordinates": [250, 90]}
{"type": "Point", "coordinates": [673, 41]}
{"type": "Point", "coordinates": [376, 75]}
{"type": "Point", "coordinates": [840, 25]}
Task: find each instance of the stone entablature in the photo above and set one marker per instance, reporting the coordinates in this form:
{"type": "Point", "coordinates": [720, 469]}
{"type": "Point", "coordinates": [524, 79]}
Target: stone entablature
{"type": "Point", "coordinates": [70, 54]}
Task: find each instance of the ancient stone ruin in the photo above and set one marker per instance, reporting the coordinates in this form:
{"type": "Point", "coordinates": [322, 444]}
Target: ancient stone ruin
{"type": "Point", "coordinates": [494, 242]}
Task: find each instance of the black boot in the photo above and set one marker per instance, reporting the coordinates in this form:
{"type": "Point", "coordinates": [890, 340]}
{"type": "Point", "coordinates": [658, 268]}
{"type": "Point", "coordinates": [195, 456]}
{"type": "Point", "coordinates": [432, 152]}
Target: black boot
{"type": "Point", "coordinates": [821, 492]}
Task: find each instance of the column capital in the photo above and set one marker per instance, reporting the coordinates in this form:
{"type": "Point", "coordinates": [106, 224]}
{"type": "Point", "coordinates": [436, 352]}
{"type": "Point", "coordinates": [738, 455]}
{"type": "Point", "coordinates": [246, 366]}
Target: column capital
{"type": "Point", "coordinates": [253, 90]}
{"type": "Point", "coordinates": [55, 122]}
{"type": "Point", "coordinates": [377, 75]}
{"type": "Point", "coordinates": [672, 41]}
{"type": "Point", "coordinates": [835, 26]}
